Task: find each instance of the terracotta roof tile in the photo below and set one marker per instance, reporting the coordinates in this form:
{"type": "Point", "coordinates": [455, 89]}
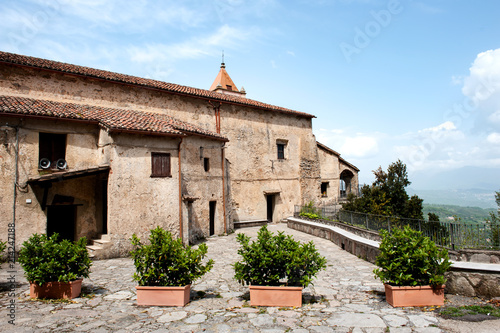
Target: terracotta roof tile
{"type": "Point", "coordinates": [134, 80]}
{"type": "Point", "coordinates": [110, 118]}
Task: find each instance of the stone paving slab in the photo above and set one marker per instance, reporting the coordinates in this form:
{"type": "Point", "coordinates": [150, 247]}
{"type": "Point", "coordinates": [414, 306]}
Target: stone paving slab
{"type": "Point", "coordinates": [344, 298]}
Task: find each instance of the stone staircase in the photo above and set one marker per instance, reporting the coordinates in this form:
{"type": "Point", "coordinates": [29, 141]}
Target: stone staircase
{"type": "Point", "coordinates": [98, 248]}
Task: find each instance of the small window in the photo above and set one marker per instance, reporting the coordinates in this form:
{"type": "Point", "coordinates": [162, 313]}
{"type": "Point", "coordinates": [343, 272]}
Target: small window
{"type": "Point", "coordinates": [281, 151]}
{"type": "Point", "coordinates": [206, 164]}
{"type": "Point", "coordinates": [228, 87]}
{"type": "Point", "coordinates": [52, 150]}
{"type": "Point", "coordinates": [160, 165]}
{"type": "Point", "coordinates": [324, 189]}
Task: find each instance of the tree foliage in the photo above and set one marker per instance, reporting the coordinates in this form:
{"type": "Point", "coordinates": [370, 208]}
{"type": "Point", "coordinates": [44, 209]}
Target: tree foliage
{"type": "Point", "coordinates": [166, 262]}
{"type": "Point", "coordinates": [408, 258]}
{"type": "Point", "coordinates": [46, 259]}
{"type": "Point", "coordinates": [274, 260]}
{"type": "Point", "coordinates": [387, 195]}
{"type": "Point", "coordinates": [494, 222]}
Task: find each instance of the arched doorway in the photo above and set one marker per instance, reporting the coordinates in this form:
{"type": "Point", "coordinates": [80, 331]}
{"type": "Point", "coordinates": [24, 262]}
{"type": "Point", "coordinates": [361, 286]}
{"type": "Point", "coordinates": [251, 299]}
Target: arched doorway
{"type": "Point", "coordinates": [346, 177]}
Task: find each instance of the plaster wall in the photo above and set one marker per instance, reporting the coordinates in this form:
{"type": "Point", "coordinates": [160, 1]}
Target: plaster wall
{"type": "Point", "coordinates": [80, 153]}
{"type": "Point", "coordinates": [138, 202]}
{"type": "Point", "coordinates": [329, 173]}
{"type": "Point", "coordinates": [200, 187]}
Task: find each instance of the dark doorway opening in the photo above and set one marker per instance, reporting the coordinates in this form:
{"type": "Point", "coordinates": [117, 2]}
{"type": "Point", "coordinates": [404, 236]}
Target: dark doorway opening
{"type": "Point", "coordinates": [104, 203]}
{"type": "Point", "coordinates": [212, 217]}
{"type": "Point", "coordinates": [61, 219]}
{"type": "Point", "coordinates": [270, 199]}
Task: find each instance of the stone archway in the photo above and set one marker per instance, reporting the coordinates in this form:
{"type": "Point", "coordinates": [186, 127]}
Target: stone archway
{"type": "Point", "coordinates": [345, 186]}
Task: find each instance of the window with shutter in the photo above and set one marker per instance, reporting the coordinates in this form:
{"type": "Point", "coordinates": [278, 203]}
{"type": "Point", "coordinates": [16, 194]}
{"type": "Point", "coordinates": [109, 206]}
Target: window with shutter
{"type": "Point", "coordinates": [160, 165]}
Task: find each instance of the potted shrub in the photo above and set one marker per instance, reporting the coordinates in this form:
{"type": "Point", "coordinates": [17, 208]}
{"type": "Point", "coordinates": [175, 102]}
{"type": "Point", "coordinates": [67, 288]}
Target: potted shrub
{"type": "Point", "coordinates": [276, 267]}
{"type": "Point", "coordinates": [412, 268]}
{"type": "Point", "coordinates": [54, 269]}
{"type": "Point", "coordinates": [165, 269]}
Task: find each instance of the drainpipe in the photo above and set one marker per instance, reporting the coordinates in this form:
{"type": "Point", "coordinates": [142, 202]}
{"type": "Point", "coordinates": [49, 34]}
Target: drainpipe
{"type": "Point", "coordinates": [223, 186]}
{"type": "Point", "coordinates": [16, 179]}
{"type": "Point", "coordinates": [180, 192]}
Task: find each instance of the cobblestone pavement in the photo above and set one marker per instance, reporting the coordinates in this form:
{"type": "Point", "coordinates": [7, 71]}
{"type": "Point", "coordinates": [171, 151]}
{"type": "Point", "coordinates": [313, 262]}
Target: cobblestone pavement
{"type": "Point", "coordinates": [345, 298]}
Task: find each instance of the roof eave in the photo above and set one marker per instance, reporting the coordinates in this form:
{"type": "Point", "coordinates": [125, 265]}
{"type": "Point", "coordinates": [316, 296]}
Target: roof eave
{"type": "Point", "coordinates": [292, 112]}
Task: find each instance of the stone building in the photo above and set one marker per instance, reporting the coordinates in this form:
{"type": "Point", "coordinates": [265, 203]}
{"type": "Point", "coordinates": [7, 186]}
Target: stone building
{"type": "Point", "coordinates": [87, 152]}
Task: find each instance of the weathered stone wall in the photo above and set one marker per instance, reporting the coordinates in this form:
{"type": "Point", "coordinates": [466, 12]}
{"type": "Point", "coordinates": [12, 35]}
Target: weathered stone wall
{"type": "Point", "coordinates": [200, 187]}
{"type": "Point", "coordinates": [81, 152]}
{"type": "Point", "coordinates": [480, 256]}
{"type": "Point", "coordinates": [253, 135]}
{"type": "Point", "coordinates": [138, 202]}
{"type": "Point", "coordinates": [330, 173]}
{"type": "Point", "coordinates": [467, 283]}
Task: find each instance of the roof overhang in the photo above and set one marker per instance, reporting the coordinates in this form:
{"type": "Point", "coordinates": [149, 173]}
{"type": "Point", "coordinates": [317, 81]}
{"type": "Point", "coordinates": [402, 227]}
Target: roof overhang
{"type": "Point", "coordinates": [66, 175]}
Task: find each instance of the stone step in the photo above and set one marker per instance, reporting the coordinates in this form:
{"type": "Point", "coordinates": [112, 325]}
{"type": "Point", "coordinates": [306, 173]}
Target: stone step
{"type": "Point", "coordinates": [98, 248]}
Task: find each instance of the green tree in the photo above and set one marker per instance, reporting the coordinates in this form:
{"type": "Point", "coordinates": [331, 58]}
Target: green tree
{"type": "Point", "coordinates": [433, 217]}
{"type": "Point", "coordinates": [494, 222]}
{"type": "Point", "coordinates": [387, 195]}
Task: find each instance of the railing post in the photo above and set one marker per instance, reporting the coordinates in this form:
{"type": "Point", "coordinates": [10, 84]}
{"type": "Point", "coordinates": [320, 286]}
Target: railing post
{"type": "Point", "coordinates": [452, 238]}
{"type": "Point", "coordinates": [366, 219]}
{"type": "Point", "coordinates": [389, 224]}
{"type": "Point", "coordinates": [352, 223]}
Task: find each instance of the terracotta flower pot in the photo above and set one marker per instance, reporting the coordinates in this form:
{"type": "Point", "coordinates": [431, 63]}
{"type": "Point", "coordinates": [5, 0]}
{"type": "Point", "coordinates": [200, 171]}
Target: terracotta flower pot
{"type": "Point", "coordinates": [414, 296]}
{"type": "Point", "coordinates": [56, 290]}
{"type": "Point", "coordinates": [163, 296]}
{"type": "Point", "coordinates": [275, 296]}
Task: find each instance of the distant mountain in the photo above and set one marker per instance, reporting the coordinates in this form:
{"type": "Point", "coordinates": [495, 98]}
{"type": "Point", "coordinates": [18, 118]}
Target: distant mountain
{"type": "Point", "coordinates": [465, 198]}
{"type": "Point", "coordinates": [466, 214]}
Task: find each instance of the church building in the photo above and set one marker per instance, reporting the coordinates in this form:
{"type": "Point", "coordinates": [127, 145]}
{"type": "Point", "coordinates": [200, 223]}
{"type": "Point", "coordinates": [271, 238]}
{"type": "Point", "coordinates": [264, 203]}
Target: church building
{"type": "Point", "coordinates": [88, 152]}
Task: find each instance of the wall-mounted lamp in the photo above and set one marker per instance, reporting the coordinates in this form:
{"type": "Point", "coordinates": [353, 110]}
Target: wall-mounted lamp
{"type": "Point", "coordinates": [201, 153]}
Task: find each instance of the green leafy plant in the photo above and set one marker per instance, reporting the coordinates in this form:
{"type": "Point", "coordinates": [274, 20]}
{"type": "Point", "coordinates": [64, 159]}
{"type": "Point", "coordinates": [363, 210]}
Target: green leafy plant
{"type": "Point", "coordinates": [408, 258]}
{"type": "Point", "coordinates": [274, 260]}
{"type": "Point", "coordinates": [46, 259]}
{"type": "Point", "coordinates": [3, 246]}
{"type": "Point", "coordinates": [310, 215]}
{"type": "Point", "coordinates": [165, 261]}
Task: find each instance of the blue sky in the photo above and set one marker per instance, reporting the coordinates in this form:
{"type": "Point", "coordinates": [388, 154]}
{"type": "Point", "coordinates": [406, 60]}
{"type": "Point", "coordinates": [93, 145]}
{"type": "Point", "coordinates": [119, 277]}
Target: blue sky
{"type": "Point", "coordinates": [386, 79]}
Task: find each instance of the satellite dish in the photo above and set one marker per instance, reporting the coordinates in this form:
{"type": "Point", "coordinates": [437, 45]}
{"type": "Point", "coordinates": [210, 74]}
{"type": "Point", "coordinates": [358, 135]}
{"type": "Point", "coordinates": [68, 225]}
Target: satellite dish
{"type": "Point", "coordinates": [44, 163]}
{"type": "Point", "coordinates": [61, 164]}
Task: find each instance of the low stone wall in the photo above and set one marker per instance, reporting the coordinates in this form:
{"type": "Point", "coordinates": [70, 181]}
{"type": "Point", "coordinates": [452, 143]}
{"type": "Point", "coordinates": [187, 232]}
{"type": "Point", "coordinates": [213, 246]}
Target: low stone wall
{"type": "Point", "coordinates": [368, 234]}
{"type": "Point", "coordinates": [465, 278]}
{"type": "Point", "coordinates": [469, 283]}
{"type": "Point", "coordinates": [480, 256]}
{"type": "Point", "coordinates": [359, 249]}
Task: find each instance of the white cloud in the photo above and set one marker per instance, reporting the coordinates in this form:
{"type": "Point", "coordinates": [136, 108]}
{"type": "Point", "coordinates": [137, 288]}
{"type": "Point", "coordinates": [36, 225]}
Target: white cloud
{"type": "Point", "coordinates": [360, 146]}
{"type": "Point", "coordinates": [193, 48]}
{"type": "Point", "coordinates": [482, 85]}
{"type": "Point", "coordinates": [494, 138]}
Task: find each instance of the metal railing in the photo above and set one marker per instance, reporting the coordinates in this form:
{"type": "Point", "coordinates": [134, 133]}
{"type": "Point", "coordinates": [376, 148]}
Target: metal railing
{"type": "Point", "coordinates": [449, 234]}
